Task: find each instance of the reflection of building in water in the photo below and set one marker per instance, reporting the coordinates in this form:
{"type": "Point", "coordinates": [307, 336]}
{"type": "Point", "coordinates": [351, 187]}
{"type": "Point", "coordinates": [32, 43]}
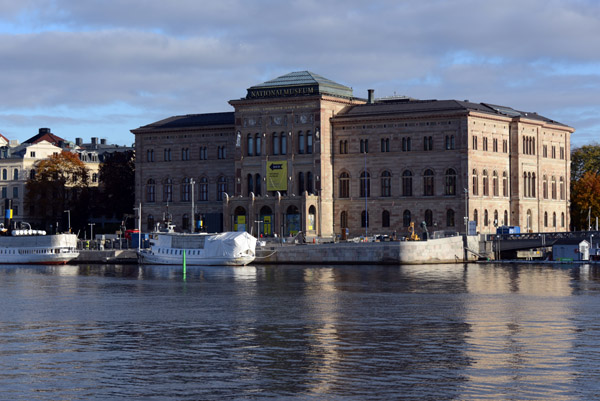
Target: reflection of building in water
{"type": "Point", "coordinates": [521, 332]}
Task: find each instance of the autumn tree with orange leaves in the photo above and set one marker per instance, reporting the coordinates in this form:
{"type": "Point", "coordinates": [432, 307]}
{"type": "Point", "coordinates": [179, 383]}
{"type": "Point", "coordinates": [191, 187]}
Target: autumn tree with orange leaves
{"type": "Point", "coordinates": [585, 187]}
{"type": "Point", "coordinates": [60, 182]}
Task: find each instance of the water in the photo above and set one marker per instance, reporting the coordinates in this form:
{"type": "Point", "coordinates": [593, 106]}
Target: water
{"type": "Point", "coordinates": [437, 332]}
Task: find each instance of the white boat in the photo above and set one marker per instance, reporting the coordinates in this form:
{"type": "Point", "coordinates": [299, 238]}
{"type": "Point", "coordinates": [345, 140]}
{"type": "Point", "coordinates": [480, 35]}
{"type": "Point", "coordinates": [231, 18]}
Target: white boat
{"type": "Point", "coordinates": [222, 249]}
{"type": "Point", "coordinates": [34, 247]}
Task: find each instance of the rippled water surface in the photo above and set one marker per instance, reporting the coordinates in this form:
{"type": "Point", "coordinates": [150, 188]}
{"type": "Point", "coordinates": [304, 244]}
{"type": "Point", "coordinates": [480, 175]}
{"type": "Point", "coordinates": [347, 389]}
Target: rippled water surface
{"type": "Point", "coordinates": [439, 332]}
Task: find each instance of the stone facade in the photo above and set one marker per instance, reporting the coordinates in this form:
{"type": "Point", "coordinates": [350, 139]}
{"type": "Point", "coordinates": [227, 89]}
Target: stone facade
{"type": "Point", "coordinates": [301, 153]}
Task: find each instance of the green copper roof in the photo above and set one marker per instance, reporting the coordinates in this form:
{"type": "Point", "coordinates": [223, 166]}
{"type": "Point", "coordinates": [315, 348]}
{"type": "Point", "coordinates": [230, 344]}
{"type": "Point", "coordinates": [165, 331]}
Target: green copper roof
{"type": "Point", "coordinates": [301, 83]}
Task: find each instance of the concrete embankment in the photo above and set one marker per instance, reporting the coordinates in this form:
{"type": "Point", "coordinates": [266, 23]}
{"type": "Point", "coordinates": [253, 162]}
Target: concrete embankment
{"type": "Point", "coordinates": [443, 250]}
{"type": "Point", "coordinates": [115, 256]}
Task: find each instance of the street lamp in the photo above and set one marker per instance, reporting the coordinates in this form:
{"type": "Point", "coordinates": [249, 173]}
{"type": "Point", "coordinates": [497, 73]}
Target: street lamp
{"type": "Point", "coordinates": [466, 191]}
{"type": "Point", "coordinates": [68, 212]}
{"type": "Point", "coordinates": [192, 183]}
{"type": "Point", "coordinates": [139, 210]}
{"type": "Point", "coordinates": [91, 230]}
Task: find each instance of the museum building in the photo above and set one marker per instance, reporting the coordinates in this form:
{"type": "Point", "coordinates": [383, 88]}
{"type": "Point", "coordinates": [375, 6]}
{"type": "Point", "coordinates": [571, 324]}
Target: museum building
{"type": "Point", "coordinates": [301, 153]}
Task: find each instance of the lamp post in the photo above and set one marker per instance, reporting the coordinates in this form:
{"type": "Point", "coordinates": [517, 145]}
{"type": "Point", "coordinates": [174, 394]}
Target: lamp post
{"type": "Point", "coordinates": [466, 191]}
{"type": "Point", "coordinates": [192, 220]}
{"type": "Point", "coordinates": [366, 203]}
{"type": "Point", "coordinates": [91, 230]}
{"type": "Point", "coordinates": [139, 210]}
{"type": "Point", "coordinates": [68, 212]}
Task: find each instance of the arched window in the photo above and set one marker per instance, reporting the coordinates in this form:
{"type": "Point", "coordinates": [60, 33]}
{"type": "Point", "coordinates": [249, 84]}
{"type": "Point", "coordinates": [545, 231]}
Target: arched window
{"type": "Point", "coordinates": [554, 219]}
{"type": "Point", "coordinates": [495, 190]}
{"type": "Point", "coordinates": [309, 142]}
{"type": "Point", "coordinates": [364, 219]}
{"type": "Point", "coordinates": [407, 183]}
{"type": "Point", "coordinates": [344, 219]}
{"type": "Point", "coordinates": [365, 184]}
{"type": "Point", "coordinates": [250, 184]}
{"type": "Point", "coordinates": [275, 143]}
{"type": "Point", "coordinates": [486, 220]}
{"type": "Point", "coordinates": [150, 191]}
{"type": "Point", "coordinates": [16, 174]}
{"type": "Point", "coordinates": [344, 185]}
{"type": "Point", "coordinates": [386, 184]}
{"type": "Point", "coordinates": [385, 218]}
{"type": "Point", "coordinates": [545, 187]}
{"type": "Point", "coordinates": [203, 189]}
{"type": "Point", "coordinates": [562, 188]}
{"type": "Point", "coordinates": [258, 186]}
{"type": "Point", "coordinates": [504, 184]}
{"type": "Point", "coordinates": [505, 222]}
{"type": "Point", "coordinates": [475, 183]}
{"type": "Point", "coordinates": [533, 191]}
{"type": "Point", "coordinates": [168, 190]}
{"type": "Point", "coordinates": [406, 218]}
{"type": "Point", "coordinates": [250, 145]}
{"type": "Point", "coordinates": [429, 218]}
{"type": "Point", "coordinates": [496, 221]}
{"type": "Point", "coordinates": [529, 221]}
{"type": "Point", "coordinates": [450, 218]}
{"type": "Point", "coordinates": [450, 182]}
{"type": "Point", "coordinates": [300, 142]}
{"type": "Point", "coordinates": [150, 223]}
{"type": "Point", "coordinates": [221, 188]}
{"type": "Point", "coordinates": [312, 219]}
{"type": "Point", "coordinates": [185, 190]}
{"type": "Point", "coordinates": [525, 185]}
{"type": "Point", "coordinates": [553, 187]}
{"type": "Point", "coordinates": [476, 217]}
{"type": "Point", "coordinates": [309, 182]}
{"type": "Point", "coordinates": [300, 183]}
{"type": "Point", "coordinates": [4, 174]}
{"type": "Point", "coordinates": [364, 146]}
{"type": "Point", "coordinates": [486, 187]}
{"type": "Point", "coordinates": [257, 143]}
{"type": "Point", "coordinates": [428, 188]}
{"type": "Point", "coordinates": [283, 143]}
{"type": "Point", "coordinates": [562, 219]}
{"type": "Point", "coordinates": [545, 219]}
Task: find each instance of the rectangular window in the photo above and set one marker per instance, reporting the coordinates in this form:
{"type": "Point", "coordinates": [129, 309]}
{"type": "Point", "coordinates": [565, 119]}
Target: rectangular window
{"type": "Point", "coordinates": [15, 192]}
{"type": "Point", "coordinates": [474, 142]}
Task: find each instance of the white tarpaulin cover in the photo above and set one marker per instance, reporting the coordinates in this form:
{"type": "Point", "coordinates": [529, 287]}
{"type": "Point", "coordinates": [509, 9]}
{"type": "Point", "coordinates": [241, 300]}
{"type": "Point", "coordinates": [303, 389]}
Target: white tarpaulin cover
{"type": "Point", "coordinates": [229, 244]}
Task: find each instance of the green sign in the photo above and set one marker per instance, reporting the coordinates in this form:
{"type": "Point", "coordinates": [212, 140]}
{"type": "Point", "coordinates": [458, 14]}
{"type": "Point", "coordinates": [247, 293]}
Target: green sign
{"type": "Point", "coordinates": [277, 176]}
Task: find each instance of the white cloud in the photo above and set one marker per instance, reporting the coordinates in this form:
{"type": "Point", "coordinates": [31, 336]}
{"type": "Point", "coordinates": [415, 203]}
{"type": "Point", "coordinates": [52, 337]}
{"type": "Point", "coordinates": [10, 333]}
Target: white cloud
{"type": "Point", "coordinates": [156, 58]}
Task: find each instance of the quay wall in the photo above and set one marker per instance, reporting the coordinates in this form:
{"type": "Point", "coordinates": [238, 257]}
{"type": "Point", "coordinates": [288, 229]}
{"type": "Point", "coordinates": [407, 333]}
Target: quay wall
{"type": "Point", "coordinates": [443, 250]}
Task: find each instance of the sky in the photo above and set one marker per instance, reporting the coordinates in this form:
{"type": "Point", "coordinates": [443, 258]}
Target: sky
{"type": "Point", "coordinates": [99, 68]}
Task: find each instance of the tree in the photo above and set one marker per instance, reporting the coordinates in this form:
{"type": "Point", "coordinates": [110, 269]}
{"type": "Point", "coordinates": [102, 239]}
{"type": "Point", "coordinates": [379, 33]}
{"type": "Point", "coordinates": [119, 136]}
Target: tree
{"type": "Point", "coordinates": [585, 170]}
{"type": "Point", "coordinates": [60, 183]}
{"type": "Point", "coordinates": [585, 199]}
{"type": "Point", "coordinates": [117, 180]}
{"type": "Point", "coordinates": [584, 159]}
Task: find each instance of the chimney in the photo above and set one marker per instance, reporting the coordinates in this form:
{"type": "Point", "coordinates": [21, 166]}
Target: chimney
{"type": "Point", "coordinates": [94, 141]}
{"type": "Point", "coordinates": [370, 99]}
{"type": "Point", "coordinates": [78, 141]}
{"type": "Point", "coordinates": [102, 141]}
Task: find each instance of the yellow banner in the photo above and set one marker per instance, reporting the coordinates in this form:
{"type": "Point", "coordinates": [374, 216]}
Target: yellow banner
{"type": "Point", "coordinates": [277, 176]}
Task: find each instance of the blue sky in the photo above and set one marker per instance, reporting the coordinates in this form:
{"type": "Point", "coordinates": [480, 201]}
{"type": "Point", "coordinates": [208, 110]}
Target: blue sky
{"type": "Point", "coordinates": [100, 68]}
